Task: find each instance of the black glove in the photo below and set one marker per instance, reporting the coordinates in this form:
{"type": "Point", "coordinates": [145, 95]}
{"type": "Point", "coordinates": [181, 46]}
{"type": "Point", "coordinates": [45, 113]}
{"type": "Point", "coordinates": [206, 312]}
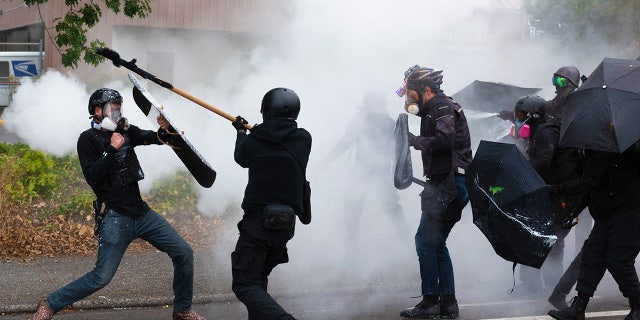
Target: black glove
{"type": "Point", "coordinates": [239, 124]}
{"type": "Point", "coordinates": [506, 115]}
{"type": "Point", "coordinates": [412, 139]}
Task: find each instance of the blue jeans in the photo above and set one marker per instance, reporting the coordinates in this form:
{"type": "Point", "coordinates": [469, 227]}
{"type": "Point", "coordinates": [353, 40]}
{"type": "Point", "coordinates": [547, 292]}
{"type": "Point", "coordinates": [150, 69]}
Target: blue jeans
{"type": "Point", "coordinates": [461, 186]}
{"type": "Point", "coordinates": [116, 234]}
{"type": "Point", "coordinates": [436, 269]}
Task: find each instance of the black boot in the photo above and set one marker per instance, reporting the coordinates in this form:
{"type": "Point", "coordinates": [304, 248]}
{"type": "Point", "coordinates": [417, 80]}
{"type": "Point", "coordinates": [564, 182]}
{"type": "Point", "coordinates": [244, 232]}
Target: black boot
{"type": "Point", "coordinates": [573, 312]}
{"type": "Point", "coordinates": [449, 307]}
{"type": "Point", "coordinates": [634, 314]}
{"type": "Point", "coordinates": [428, 308]}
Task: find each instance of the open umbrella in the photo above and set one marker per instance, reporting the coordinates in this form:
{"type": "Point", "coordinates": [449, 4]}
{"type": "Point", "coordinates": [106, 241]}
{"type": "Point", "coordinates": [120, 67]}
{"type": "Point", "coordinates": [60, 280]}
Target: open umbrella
{"type": "Point", "coordinates": [603, 113]}
{"type": "Point", "coordinates": [491, 97]}
{"type": "Point", "coordinates": [510, 204]}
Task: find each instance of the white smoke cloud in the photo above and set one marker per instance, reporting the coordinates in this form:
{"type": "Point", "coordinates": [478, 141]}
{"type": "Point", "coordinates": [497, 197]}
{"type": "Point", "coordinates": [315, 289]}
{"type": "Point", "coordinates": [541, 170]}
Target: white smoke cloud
{"type": "Point", "coordinates": [330, 63]}
{"type": "Point", "coordinates": [48, 113]}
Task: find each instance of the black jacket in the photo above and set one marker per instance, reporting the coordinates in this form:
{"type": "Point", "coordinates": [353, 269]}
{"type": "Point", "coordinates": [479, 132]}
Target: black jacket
{"type": "Point", "coordinates": [610, 183]}
{"type": "Point", "coordinates": [114, 174]}
{"type": "Point", "coordinates": [275, 177]}
{"type": "Point", "coordinates": [444, 137]}
{"type": "Point", "coordinates": [541, 149]}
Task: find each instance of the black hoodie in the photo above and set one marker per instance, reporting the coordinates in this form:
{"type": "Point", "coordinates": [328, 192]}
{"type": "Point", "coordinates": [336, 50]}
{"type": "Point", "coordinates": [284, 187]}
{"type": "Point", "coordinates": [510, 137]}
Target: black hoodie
{"type": "Point", "coordinates": [275, 177]}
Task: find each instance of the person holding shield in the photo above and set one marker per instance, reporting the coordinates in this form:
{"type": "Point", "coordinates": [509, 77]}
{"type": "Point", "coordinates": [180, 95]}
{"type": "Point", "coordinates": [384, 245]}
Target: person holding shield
{"type": "Point", "coordinates": [445, 144]}
{"type": "Point", "coordinates": [110, 166]}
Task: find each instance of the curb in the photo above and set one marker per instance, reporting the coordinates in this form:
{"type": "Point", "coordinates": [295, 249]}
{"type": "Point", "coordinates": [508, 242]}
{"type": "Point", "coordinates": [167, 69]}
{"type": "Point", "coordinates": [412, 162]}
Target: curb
{"type": "Point", "coordinates": [102, 302]}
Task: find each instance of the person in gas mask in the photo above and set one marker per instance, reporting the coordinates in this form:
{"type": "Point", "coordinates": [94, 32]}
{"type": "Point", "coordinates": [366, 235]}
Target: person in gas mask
{"type": "Point", "coordinates": [276, 154]}
{"type": "Point", "coordinates": [445, 145]}
{"type": "Point", "coordinates": [566, 80]}
{"type": "Point", "coordinates": [542, 135]}
{"type": "Point", "coordinates": [111, 168]}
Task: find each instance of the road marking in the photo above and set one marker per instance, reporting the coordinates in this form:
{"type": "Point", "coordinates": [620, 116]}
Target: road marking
{"type": "Point", "coordinates": [601, 314]}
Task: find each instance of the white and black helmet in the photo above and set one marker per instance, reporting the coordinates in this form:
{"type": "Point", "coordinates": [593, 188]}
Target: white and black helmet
{"type": "Point", "coordinates": [101, 96]}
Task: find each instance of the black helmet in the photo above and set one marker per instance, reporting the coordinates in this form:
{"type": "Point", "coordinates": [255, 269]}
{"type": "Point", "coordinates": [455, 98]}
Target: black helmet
{"type": "Point", "coordinates": [571, 73]}
{"type": "Point", "coordinates": [280, 103]}
{"type": "Point", "coordinates": [532, 106]}
{"type": "Point", "coordinates": [101, 96]}
{"type": "Point", "coordinates": [424, 77]}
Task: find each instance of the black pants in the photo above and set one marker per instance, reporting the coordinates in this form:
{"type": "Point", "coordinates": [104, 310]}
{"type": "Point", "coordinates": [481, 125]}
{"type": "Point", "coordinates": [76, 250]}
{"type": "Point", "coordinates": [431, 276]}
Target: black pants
{"type": "Point", "coordinates": [251, 263]}
{"type": "Point", "coordinates": [569, 278]}
{"type": "Point", "coordinates": [613, 245]}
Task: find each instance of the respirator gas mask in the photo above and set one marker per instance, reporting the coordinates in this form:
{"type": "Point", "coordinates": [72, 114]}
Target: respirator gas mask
{"type": "Point", "coordinates": [112, 119]}
{"type": "Point", "coordinates": [521, 129]}
{"type": "Point", "coordinates": [412, 101]}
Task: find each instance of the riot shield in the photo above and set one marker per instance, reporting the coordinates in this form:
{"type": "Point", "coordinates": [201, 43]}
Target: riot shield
{"type": "Point", "coordinates": [403, 171]}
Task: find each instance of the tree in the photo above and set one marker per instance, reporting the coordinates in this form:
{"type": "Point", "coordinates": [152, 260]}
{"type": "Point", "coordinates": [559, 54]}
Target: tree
{"type": "Point", "coordinates": [589, 22]}
{"type": "Point", "coordinates": [71, 30]}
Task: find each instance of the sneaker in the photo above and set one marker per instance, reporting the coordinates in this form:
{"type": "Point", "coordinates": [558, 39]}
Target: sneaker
{"type": "Point", "coordinates": [187, 315]}
{"type": "Point", "coordinates": [43, 312]}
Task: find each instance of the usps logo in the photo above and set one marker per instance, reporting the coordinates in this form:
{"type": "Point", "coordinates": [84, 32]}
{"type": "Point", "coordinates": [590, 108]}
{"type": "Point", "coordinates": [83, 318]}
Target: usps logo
{"type": "Point", "coordinates": [24, 68]}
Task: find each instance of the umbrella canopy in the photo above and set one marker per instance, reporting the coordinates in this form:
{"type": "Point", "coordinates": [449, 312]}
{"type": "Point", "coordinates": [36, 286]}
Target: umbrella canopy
{"type": "Point", "coordinates": [510, 204]}
{"type": "Point", "coordinates": [603, 113]}
{"type": "Point", "coordinates": [491, 97]}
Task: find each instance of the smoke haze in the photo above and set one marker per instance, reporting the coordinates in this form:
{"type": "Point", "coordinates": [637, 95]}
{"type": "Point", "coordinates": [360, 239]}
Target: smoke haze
{"type": "Point", "coordinates": [332, 53]}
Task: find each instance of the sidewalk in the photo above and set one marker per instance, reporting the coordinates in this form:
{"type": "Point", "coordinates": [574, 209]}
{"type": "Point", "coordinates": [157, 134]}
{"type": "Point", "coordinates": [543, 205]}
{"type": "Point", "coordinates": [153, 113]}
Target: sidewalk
{"type": "Point", "coordinates": [143, 279]}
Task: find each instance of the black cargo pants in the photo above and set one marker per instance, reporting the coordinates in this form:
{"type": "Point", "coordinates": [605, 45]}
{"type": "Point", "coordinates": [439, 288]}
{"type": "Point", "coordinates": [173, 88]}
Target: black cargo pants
{"type": "Point", "coordinates": [613, 245]}
{"type": "Point", "coordinates": [257, 252]}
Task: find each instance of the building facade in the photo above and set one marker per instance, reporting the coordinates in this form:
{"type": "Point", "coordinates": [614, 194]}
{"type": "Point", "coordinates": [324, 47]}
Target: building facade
{"type": "Point", "coordinates": [23, 28]}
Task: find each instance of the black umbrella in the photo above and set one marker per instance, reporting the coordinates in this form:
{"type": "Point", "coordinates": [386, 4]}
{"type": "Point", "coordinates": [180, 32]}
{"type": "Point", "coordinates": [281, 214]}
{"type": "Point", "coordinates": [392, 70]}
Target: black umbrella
{"type": "Point", "coordinates": [603, 113]}
{"type": "Point", "coordinates": [491, 97]}
{"type": "Point", "coordinates": [510, 204]}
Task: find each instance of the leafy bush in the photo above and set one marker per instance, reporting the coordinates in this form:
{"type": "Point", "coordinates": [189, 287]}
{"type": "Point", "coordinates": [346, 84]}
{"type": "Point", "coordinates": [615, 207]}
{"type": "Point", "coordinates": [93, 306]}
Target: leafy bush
{"type": "Point", "coordinates": [173, 194]}
{"type": "Point", "coordinates": [32, 172]}
{"type": "Point", "coordinates": [45, 206]}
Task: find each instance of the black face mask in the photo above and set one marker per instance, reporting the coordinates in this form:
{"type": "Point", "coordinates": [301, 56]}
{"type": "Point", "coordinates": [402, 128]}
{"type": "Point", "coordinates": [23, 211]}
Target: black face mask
{"type": "Point", "coordinates": [564, 92]}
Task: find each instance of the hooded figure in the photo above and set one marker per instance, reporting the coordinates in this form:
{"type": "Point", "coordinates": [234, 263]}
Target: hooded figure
{"type": "Point", "coordinates": [276, 154]}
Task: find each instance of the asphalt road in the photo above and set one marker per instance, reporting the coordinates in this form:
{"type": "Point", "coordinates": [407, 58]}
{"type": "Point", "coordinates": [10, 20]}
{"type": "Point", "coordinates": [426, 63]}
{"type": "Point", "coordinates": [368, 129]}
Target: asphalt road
{"type": "Point", "coordinates": [359, 306]}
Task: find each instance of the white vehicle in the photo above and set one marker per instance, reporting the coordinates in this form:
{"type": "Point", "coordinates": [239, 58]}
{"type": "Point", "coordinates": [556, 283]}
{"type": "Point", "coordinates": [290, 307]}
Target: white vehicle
{"type": "Point", "coordinates": [15, 65]}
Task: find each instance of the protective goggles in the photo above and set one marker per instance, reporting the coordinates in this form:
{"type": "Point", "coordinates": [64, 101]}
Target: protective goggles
{"type": "Point", "coordinates": [402, 90]}
{"type": "Point", "coordinates": [113, 110]}
{"type": "Point", "coordinates": [559, 81]}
